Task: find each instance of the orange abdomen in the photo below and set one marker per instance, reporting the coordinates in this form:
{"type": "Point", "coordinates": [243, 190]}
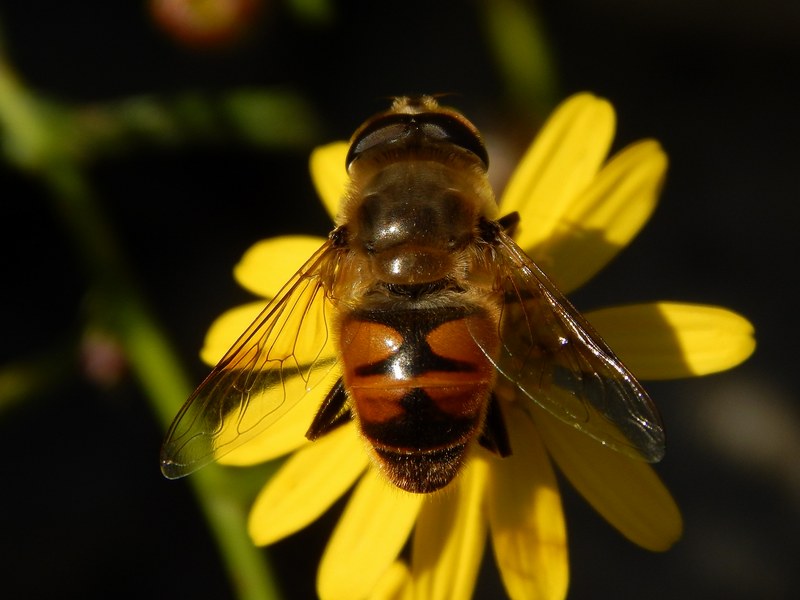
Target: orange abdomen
{"type": "Point", "coordinates": [419, 382]}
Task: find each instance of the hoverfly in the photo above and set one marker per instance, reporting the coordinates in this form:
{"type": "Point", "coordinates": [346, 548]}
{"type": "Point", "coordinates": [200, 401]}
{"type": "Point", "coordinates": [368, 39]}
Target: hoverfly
{"type": "Point", "coordinates": [419, 312]}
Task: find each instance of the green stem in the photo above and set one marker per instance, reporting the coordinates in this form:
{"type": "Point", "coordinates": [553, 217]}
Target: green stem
{"type": "Point", "coordinates": [160, 374]}
{"type": "Point", "coordinates": [31, 141]}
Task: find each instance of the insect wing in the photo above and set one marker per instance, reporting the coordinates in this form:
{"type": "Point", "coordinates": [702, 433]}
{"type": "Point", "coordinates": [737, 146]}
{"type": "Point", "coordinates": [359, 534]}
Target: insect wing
{"type": "Point", "coordinates": [556, 358]}
{"type": "Point", "coordinates": [282, 355]}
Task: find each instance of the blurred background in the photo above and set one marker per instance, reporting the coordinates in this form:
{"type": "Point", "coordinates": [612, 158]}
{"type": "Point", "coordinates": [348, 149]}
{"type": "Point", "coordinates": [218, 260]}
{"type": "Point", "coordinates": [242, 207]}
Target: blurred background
{"type": "Point", "coordinates": [194, 145]}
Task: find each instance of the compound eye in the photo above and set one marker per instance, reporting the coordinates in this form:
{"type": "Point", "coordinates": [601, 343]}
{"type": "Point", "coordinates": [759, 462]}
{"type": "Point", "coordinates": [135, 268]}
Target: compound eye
{"type": "Point", "coordinates": [448, 128]}
{"type": "Point", "coordinates": [407, 130]}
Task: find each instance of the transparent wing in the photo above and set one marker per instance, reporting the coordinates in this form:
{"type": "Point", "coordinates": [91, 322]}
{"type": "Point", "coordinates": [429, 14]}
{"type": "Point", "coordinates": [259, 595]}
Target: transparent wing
{"type": "Point", "coordinates": [281, 356]}
{"type": "Point", "coordinates": [553, 356]}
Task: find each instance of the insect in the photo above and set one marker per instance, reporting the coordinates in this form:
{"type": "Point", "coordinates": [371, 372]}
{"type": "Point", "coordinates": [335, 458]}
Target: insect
{"type": "Point", "coordinates": [420, 313]}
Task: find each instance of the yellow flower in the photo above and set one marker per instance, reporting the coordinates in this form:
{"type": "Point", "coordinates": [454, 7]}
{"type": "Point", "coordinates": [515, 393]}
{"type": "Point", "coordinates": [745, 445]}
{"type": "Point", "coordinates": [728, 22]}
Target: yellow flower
{"type": "Point", "coordinates": [577, 211]}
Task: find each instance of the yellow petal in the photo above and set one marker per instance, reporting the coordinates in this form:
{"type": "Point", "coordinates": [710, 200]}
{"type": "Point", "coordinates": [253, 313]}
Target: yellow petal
{"type": "Point", "coordinates": [625, 491]}
{"type": "Point", "coordinates": [329, 174]}
{"type": "Point", "coordinates": [666, 340]}
{"type": "Point", "coordinates": [226, 329]}
{"type": "Point", "coordinates": [394, 584]}
{"type": "Point", "coordinates": [307, 484]}
{"type": "Point", "coordinates": [525, 517]}
{"type": "Point", "coordinates": [560, 164]}
{"type": "Point", "coordinates": [269, 264]}
{"type": "Point", "coordinates": [605, 217]}
{"type": "Point", "coordinates": [369, 536]}
{"type": "Point", "coordinates": [450, 537]}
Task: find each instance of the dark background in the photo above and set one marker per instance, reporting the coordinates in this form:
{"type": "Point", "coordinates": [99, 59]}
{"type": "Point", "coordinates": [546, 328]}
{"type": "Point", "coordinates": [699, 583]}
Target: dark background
{"type": "Point", "coordinates": [84, 511]}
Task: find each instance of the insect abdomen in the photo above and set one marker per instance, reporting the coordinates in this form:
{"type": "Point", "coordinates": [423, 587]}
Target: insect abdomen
{"type": "Point", "coordinates": [419, 384]}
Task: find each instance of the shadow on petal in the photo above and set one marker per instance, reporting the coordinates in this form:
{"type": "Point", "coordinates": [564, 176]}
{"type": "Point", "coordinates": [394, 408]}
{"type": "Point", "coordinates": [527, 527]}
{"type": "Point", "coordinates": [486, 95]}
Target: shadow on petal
{"type": "Point", "coordinates": [450, 536]}
{"type": "Point", "coordinates": [603, 219]}
{"type": "Point", "coordinates": [525, 517]}
{"type": "Point", "coordinates": [668, 340]}
{"type": "Point", "coordinates": [626, 492]}
{"type": "Point", "coordinates": [560, 163]}
{"type": "Point", "coordinates": [573, 255]}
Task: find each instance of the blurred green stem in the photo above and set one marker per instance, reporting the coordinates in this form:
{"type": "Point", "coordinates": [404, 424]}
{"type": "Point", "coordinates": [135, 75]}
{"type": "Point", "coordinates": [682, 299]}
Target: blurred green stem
{"type": "Point", "coordinates": [30, 131]}
{"type": "Point", "coordinates": [518, 41]}
{"type": "Point", "coordinates": [23, 379]}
